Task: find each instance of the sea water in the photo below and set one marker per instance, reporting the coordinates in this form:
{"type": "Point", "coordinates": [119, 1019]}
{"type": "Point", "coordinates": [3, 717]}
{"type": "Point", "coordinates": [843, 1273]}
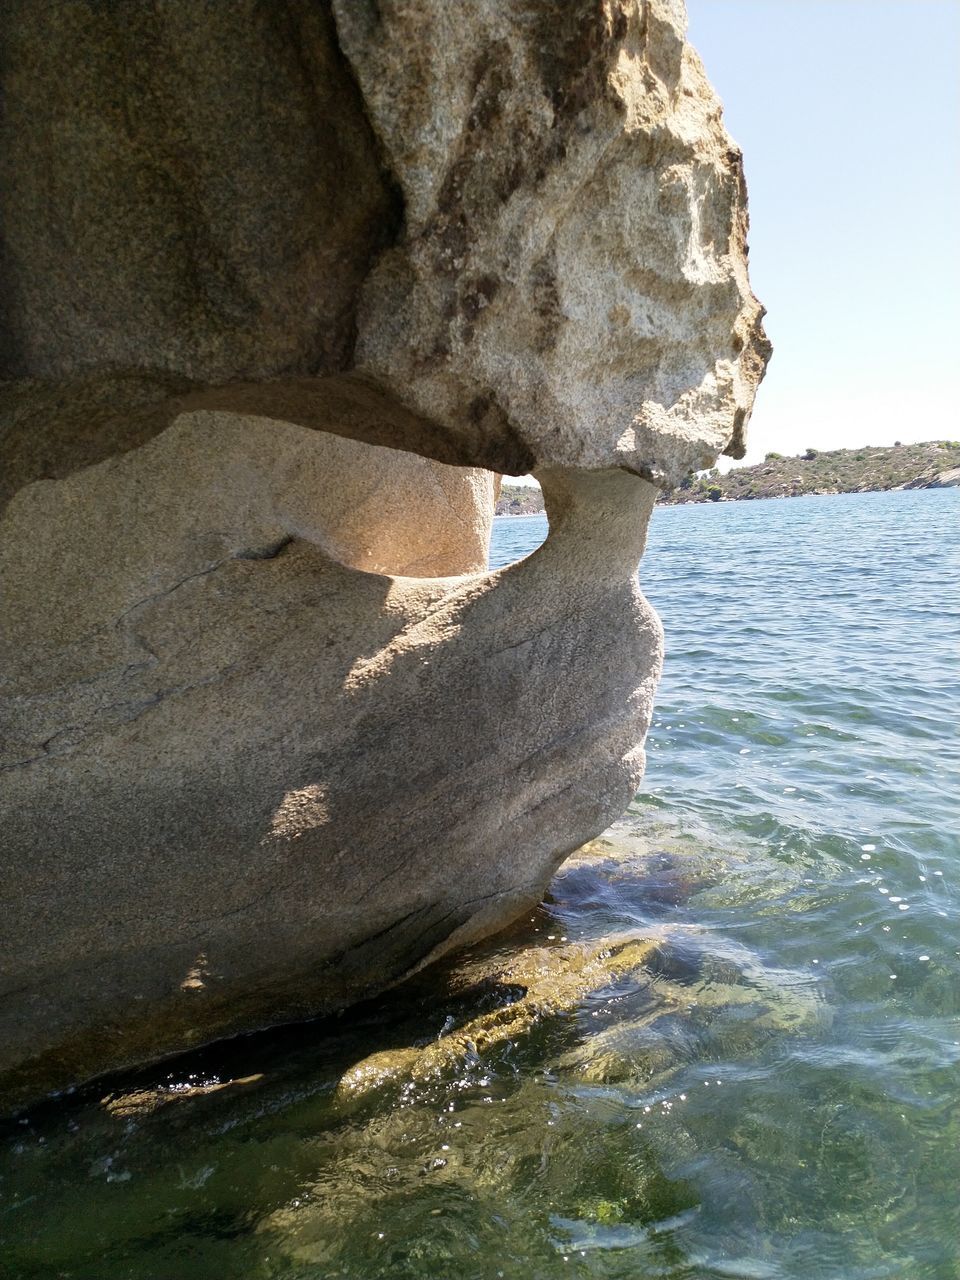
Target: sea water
{"type": "Point", "coordinates": [775, 1094]}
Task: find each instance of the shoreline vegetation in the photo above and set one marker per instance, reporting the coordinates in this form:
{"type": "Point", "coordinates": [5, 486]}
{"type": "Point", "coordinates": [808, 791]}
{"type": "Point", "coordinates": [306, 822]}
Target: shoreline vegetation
{"type": "Point", "coordinates": [933, 464]}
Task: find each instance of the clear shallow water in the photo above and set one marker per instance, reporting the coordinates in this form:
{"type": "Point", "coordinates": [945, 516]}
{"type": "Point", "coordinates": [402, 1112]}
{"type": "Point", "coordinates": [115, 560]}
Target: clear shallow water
{"type": "Point", "coordinates": [774, 1092]}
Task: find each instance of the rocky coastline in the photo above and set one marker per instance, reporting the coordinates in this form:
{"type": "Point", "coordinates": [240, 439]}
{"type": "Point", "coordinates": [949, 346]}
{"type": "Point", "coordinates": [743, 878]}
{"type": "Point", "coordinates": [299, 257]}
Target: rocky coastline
{"type": "Point", "coordinates": [934, 464]}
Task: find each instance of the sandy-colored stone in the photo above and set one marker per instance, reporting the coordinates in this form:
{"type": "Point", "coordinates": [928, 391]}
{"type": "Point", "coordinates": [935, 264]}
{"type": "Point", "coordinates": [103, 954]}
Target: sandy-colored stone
{"type": "Point", "coordinates": [572, 270]}
{"type": "Point", "coordinates": [526, 225]}
{"type": "Point", "coordinates": [252, 784]}
{"type": "Point", "coordinates": [271, 738]}
{"type": "Point", "coordinates": [189, 190]}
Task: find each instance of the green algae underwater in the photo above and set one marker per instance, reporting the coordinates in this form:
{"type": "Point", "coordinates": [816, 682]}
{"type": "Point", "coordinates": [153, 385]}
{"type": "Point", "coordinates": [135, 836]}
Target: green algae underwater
{"type": "Point", "coordinates": [726, 1045]}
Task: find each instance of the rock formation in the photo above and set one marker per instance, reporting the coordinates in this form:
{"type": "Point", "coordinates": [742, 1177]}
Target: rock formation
{"type": "Point", "coordinates": [282, 287]}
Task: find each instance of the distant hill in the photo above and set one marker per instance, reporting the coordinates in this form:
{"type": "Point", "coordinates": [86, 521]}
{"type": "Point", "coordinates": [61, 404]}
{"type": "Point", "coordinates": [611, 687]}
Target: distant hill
{"type": "Point", "coordinates": [519, 500]}
{"type": "Point", "coordinates": [903, 466]}
{"type": "Point", "coordinates": [931, 465]}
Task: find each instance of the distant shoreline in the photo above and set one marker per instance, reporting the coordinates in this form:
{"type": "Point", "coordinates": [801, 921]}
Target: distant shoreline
{"type": "Point", "coordinates": [772, 497]}
{"type": "Point", "coordinates": [934, 464]}
{"type": "Point", "coordinates": [847, 493]}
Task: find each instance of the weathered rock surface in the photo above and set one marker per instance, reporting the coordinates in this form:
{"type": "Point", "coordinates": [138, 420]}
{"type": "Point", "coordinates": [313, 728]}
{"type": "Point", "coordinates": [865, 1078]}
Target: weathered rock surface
{"type": "Point", "coordinates": [572, 267]}
{"type": "Point", "coordinates": [202, 196]}
{"type": "Point", "coordinates": [187, 189]}
{"type": "Point", "coordinates": [271, 738]}
{"type": "Point", "coordinates": [263, 787]}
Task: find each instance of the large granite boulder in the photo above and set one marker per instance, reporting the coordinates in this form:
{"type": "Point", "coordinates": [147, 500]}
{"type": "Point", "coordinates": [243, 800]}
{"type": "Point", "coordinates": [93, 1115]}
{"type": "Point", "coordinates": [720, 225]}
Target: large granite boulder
{"type": "Point", "coordinates": [282, 287]}
{"type": "Point", "coordinates": [247, 782]}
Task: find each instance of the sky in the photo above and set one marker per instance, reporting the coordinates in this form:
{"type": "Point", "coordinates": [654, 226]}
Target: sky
{"type": "Point", "coordinates": [848, 114]}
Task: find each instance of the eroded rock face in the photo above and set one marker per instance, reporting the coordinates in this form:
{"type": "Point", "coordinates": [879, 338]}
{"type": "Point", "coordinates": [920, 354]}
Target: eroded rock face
{"type": "Point", "coordinates": [192, 190]}
{"type": "Point", "coordinates": [525, 224]}
{"type": "Point", "coordinates": [268, 786]}
{"type": "Point", "coordinates": [271, 738]}
{"type": "Point", "coordinates": [572, 269]}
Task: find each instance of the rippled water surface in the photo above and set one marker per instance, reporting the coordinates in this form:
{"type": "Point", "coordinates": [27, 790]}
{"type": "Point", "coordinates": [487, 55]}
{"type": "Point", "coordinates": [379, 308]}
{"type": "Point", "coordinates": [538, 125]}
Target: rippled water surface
{"type": "Point", "coordinates": [747, 1063]}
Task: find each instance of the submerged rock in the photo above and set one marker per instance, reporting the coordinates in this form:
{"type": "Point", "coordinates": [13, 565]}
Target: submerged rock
{"type": "Point", "coordinates": [271, 738]}
{"type": "Point", "coordinates": [541, 982]}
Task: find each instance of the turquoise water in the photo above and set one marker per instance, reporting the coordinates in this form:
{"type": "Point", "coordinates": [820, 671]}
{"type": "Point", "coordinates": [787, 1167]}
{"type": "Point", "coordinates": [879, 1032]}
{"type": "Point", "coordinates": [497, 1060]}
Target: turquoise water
{"type": "Point", "coordinates": [774, 1092]}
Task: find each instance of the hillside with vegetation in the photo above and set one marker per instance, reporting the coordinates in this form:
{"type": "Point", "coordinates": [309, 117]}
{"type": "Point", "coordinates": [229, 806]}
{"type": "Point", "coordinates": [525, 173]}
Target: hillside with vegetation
{"type": "Point", "coordinates": [932, 464]}
{"type": "Point", "coordinates": [519, 500]}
